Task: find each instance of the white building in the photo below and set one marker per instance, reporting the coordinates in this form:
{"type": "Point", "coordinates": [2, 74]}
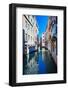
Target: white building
{"type": "Point", "coordinates": [43, 39]}
{"type": "Point", "coordinates": [30, 28]}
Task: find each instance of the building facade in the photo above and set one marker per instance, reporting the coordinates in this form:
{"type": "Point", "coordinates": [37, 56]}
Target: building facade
{"type": "Point", "coordinates": [54, 34]}
{"type": "Point", "coordinates": [43, 39]}
{"type": "Point", "coordinates": [51, 36]}
{"type": "Point", "coordinates": [48, 35]}
{"type": "Point", "coordinates": [30, 29]}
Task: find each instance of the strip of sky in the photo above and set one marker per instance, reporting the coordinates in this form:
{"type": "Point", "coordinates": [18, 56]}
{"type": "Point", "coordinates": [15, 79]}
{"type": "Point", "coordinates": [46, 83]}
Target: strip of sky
{"type": "Point", "coordinates": [42, 24]}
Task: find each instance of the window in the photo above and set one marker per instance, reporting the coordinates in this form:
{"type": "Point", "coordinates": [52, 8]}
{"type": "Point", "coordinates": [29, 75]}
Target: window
{"type": "Point", "coordinates": [26, 37]}
{"type": "Point", "coordinates": [26, 23]}
{"type": "Point", "coordinates": [31, 38]}
{"type": "Point", "coordinates": [28, 26]}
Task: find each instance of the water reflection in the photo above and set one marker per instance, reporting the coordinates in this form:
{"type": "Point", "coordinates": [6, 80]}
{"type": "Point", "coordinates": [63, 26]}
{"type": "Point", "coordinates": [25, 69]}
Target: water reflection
{"type": "Point", "coordinates": [39, 62]}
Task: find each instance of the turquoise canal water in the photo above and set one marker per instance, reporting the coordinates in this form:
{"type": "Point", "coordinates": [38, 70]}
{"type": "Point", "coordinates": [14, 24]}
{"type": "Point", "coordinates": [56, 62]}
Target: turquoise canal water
{"type": "Point", "coordinates": [39, 62]}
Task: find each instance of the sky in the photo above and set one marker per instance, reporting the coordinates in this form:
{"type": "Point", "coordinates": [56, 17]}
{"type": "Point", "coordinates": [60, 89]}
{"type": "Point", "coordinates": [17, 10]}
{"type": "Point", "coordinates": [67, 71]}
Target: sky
{"type": "Point", "coordinates": [42, 23]}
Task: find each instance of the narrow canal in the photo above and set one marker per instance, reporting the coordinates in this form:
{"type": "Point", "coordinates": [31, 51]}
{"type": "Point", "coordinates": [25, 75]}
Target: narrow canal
{"type": "Point", "coordinates": [39, 62]}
